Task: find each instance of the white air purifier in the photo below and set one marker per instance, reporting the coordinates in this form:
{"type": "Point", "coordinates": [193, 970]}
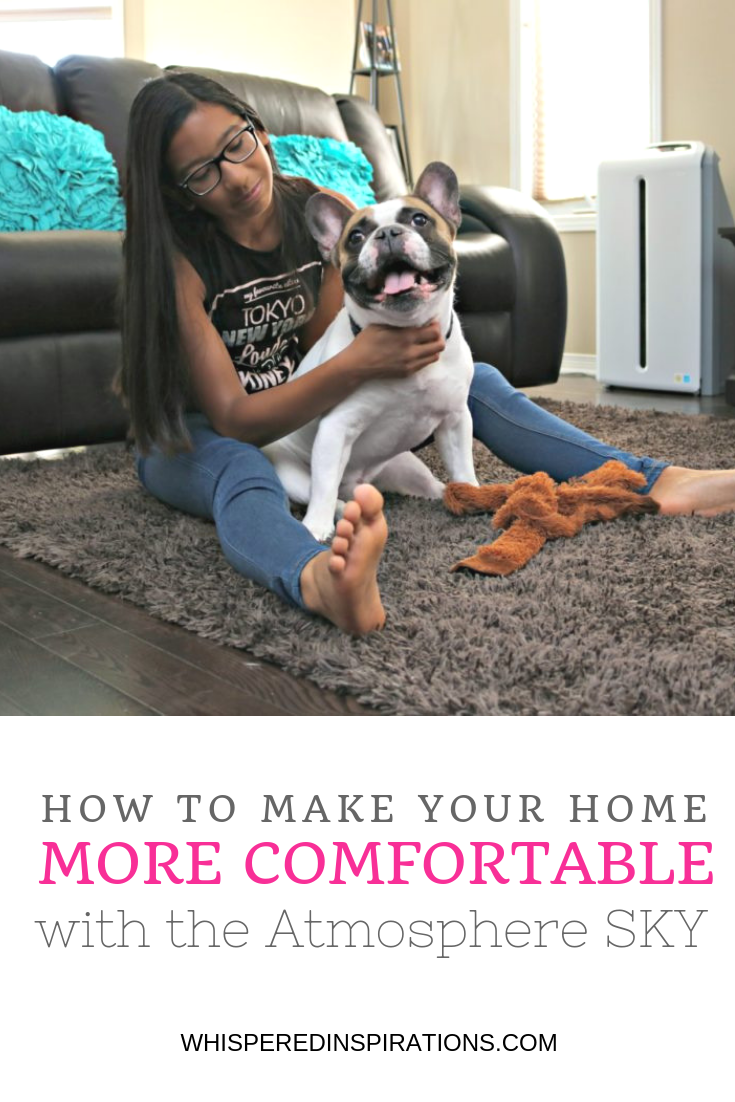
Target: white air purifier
{"type": "Point", "coordinates": [665, 278]}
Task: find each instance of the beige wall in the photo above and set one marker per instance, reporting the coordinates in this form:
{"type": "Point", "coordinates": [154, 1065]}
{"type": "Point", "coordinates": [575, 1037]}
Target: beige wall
{"type": "Point", "coordinates": [698, 77]}
{"type": "Point", "coordinates": [310, 43]}
{"type": "Point", "coordinates": [579, 254]}
{"type": "Point", "coordinates": [696, 104]}
{"type": "Point", "coordinates": [456, 59]}
{"type": "Point", "coordinates": [456, 81]}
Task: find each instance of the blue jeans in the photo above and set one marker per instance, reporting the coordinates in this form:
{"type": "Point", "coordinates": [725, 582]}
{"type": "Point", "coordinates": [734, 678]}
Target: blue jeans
{"type": "Point", "coordinates": [531, 439]}
{"type": "Point", "coordinates": [234, 485]}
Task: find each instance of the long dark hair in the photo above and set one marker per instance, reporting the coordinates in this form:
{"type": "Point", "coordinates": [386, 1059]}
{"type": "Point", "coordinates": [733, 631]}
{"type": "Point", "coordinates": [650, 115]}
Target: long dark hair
{"type": "Point", "coordinates": [153, 379]}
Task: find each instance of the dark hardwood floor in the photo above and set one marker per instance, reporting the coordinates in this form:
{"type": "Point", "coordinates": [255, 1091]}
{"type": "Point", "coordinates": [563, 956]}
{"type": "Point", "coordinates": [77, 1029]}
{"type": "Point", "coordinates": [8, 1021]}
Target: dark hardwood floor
{"type": "Point", "coordinates": [69, 650]}
{"type": "Point", "coordinates": [583, 388]}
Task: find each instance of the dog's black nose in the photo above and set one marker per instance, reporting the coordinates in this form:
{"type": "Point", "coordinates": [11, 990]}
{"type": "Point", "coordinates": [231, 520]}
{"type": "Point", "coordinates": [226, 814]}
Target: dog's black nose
{"type": "Point", "coordinates": [390, 231]}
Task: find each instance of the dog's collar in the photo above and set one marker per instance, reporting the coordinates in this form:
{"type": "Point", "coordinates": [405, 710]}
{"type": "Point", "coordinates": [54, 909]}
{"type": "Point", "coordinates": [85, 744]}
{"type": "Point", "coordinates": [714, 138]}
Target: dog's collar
{"type": "Point", "coordinates": [358, 328]}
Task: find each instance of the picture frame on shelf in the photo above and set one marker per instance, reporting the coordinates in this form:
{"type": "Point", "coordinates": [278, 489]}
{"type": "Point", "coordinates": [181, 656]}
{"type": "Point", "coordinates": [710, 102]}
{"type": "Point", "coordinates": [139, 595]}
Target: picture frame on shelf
{"type": "Point", "coordinates": [386, 54]}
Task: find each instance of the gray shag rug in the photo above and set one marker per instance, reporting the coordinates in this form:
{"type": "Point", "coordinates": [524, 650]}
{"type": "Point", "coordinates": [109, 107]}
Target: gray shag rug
{"type": "Point", "coordinates": [634, 617]}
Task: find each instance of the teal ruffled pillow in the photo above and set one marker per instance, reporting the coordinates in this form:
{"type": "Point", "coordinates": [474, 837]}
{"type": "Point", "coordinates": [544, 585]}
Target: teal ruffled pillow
{"type": "Point", "coordinates": [56, 174]}
{"type": "Point", "coordinates": [341, 166]}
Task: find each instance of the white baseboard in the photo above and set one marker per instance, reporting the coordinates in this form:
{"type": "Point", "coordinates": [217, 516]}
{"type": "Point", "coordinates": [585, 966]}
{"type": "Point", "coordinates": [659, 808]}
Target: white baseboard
{"type": "Point", "coordinates": [575, 363]}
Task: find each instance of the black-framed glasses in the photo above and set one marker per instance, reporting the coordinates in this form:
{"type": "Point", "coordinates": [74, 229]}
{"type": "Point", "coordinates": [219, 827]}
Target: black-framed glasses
{"type": "Point", "coordinates": [205, 178]}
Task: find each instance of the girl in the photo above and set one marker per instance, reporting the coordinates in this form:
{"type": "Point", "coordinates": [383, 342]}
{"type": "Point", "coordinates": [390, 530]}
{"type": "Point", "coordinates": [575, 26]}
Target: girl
{"type": "Point", "coordinates": [224, 292]}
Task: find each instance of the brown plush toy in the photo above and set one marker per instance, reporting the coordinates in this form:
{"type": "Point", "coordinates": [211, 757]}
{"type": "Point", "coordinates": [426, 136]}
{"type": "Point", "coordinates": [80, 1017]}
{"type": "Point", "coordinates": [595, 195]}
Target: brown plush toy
{"type": "Point", "coordinates": [534, 509]}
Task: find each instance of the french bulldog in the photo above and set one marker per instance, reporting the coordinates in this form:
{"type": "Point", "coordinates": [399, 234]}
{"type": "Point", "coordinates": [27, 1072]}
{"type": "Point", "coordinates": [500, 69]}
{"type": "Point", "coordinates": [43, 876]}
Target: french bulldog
{"type": "Point", "coordinates": [398, 267]}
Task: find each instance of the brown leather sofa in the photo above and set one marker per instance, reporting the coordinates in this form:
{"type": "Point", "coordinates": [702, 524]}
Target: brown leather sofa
{"type": "Point", "coordinates": [59, 338]}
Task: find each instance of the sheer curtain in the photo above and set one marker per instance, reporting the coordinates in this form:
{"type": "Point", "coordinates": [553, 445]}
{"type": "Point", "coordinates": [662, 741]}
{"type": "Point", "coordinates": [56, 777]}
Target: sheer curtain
{"type": "Point", "coordinates": [50, 29]}
{"type": "Point", "coordinates": [591, 90]}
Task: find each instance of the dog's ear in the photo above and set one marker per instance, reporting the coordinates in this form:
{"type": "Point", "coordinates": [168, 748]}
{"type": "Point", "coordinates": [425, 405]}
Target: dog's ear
{"type": "Point", "coordinates": [438, 187]}
{"type": "Point", "coordinates": [326, 217]}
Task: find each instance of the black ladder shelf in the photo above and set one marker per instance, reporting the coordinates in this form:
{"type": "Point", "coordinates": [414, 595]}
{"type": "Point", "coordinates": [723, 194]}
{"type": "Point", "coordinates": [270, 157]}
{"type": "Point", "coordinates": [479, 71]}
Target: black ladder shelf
{"type": "Point", "coordinates": [376, 70]}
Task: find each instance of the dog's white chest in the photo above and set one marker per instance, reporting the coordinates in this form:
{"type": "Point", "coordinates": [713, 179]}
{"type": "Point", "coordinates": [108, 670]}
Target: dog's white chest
{"type": "Point", "coordinates": [397, 265]}
{"type": "Point", "coordinates": [370, 435]}
{"type": "Point", "coordinates": [388, 417]}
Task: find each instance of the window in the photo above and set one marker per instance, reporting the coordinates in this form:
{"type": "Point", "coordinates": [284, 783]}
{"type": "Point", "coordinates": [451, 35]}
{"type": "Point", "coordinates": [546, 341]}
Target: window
{"type": "Point", "coordinates": [50, 29]}
{"type": "Point", "coordinates": [586, 87]}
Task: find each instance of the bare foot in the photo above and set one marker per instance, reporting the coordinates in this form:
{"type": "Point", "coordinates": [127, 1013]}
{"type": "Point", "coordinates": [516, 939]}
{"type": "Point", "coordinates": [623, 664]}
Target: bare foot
{"type": "Point", "coordinates": [341, 584]}
{"type": "Point", "coordinates": [704, 493]}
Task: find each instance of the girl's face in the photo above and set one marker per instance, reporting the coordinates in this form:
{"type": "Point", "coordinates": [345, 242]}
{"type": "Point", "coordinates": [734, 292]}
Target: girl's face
{"type": "Point", "coordinates": [245, 190]}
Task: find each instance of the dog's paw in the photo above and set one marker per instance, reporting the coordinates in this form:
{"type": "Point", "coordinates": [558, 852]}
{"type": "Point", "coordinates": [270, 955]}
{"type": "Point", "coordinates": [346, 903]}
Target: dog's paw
{"type": "Point", "coordinates": [321, 532]}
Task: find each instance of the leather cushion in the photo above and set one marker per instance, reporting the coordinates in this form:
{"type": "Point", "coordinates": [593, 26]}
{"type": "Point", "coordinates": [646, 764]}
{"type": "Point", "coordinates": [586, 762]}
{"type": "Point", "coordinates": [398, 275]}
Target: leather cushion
{"type": "Point", "coordinates": [26, 84]}
{"type": "Point", "coordinates": [486, 275]}
{"type": "Point", "coordinates": [100, 91]}
{"type": "Point", "coordinates": [59, 281]}
{"type": "Point", "coordinates": [56, 391]}
{"type": "Point", "coordinates": [365, 128]}
{"type": "Point", "coordinates": [490, 339]}
{"type": "Point", "coordinates": [285, 108]}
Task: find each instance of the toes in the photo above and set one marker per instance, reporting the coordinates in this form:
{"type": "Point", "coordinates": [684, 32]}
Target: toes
{"type": "Point", "coordinates": [366, 504]}
{"type": "Point", "coordinates": [369, 499]}
{"type": "Point", "coordinates": [340, 545]}
{"type": "Point", "coordinates": [345, 529]}
{"type": "Point", "coordinates": [336, 564]}
{"type": "Point", "coordinates": [352, 512]}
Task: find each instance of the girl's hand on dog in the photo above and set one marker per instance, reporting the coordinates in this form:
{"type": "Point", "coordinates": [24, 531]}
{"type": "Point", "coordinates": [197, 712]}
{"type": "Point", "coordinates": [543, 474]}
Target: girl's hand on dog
{"type": "Point", "coordinates": [389, 352]}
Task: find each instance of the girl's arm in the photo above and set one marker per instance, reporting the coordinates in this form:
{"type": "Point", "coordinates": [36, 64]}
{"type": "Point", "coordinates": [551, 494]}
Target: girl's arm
{"type": "Point", "coordinates": [260, 418]}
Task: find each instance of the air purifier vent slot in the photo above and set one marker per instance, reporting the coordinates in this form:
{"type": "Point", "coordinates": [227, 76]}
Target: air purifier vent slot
{"type": "Point", "coordinates": [643, 274]}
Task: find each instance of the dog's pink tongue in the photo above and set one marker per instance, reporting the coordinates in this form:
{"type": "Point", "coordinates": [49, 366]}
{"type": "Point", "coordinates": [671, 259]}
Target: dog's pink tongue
{"type": "Point", "coordinates": [399, 281]}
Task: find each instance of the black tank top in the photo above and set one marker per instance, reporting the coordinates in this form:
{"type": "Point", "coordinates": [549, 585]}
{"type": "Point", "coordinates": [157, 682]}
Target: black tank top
{"type": "Point", "coordinates": [257, 302]}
